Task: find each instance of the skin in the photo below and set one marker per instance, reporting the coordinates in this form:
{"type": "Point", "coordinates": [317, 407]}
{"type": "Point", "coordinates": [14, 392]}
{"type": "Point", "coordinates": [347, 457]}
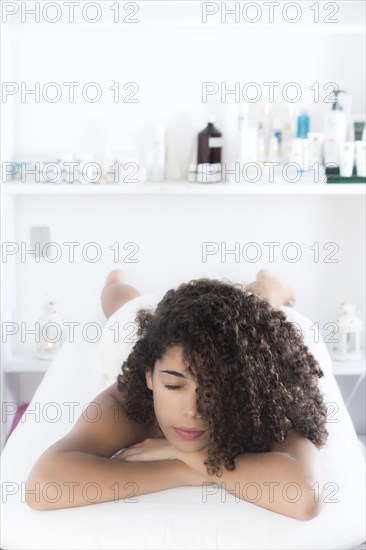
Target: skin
{"type": "Point", "coordinates": [293, 464]}
{"type": "Point", "coordinates": [175, 407]}
{"type": "Point", "coordinates": [156, 457]}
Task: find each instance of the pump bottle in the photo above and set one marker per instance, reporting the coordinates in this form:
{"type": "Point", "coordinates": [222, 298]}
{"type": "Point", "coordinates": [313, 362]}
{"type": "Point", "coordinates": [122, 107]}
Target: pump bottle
{"type": "Point", "coordinates": [335, 131]}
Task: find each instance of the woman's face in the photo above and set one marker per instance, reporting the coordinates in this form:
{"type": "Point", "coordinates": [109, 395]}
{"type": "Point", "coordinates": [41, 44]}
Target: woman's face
{"type": "Point", "coordinates": [174, 395]}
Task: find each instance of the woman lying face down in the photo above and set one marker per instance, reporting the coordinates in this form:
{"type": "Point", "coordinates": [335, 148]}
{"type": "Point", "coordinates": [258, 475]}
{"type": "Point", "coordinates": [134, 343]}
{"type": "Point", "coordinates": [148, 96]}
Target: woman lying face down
{"type": "Point", "coordinates": [227, 366]}
{"type": "Point", "coordinates": [219, 389]}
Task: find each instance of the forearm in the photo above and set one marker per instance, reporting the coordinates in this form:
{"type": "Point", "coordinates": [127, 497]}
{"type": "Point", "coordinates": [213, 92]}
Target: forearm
{"type": "Point", "coordinates": [72, 479]}
{"type": "Point", "coordinates": [275, 481]}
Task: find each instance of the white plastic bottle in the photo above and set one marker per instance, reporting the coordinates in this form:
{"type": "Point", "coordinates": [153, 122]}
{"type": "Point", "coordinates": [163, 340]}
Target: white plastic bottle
{"type": "Point", "coordinates": [288, 133]}
{"type": "Point", "coordinates": [247, 138]}
{"type": "Point", "coordinates": [243, 124]}
{"type": "Point", "coordinates": [158, 155]}
{"type": "Point", "coordinates": [264, 132]}
{"type": "Point", "coordinates": [335, 131]}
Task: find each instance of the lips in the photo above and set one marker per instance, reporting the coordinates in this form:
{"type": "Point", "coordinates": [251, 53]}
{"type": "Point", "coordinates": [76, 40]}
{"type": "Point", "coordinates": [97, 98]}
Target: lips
{"type": "Point", "coordinates": [189, 433]}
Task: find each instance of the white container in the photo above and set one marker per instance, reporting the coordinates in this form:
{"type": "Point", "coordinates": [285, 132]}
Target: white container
{"type": "Point", "coordinates": [158, 155]}
{"type": "Point", "coordinates": [288, 133]}
{"type": "Point", "coordinates": [299, 153]}
{"type": "Point", "coordinates": [243, 133]}
{"type": "Point", "coordinates": [273, 149]}
{"type": "Point", "coordinates": [248, 152]}
{"type": "Point", "coordinates": [209, 173]}
{"type": "Point", "coordinates": [346, 158]}
{"type": "Point", "coordinates": [192, 172]}
{"type": "Point", "coordinates": [361, 158]}
{"type": "Point", "coordinates": [264, 132]}
{"type": "Point", "coordinates": [316, 140]}
{"type": "Point", "coordinates": [335, 131]}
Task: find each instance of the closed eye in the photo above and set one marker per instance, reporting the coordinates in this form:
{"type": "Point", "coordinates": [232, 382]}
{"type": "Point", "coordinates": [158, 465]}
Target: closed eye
{"type": "Point", "coordinates": [172, 387]}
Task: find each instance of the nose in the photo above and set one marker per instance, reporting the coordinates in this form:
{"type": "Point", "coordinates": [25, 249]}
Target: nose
{"type": "Point", "coordinates": [190, 408]}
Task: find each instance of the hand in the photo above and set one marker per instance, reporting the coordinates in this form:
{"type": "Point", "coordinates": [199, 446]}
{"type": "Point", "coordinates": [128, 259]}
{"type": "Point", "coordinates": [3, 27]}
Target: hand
{"type": "Point", "coordinates": [161, 449]}
{"type": "Point", "coordinates": [195, 461]}
{"type": "Point", "coordinates": [150, 449]}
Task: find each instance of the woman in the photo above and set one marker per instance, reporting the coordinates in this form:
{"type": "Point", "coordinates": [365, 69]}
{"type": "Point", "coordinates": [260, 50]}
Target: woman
{"type": "Point", "coordinates": [218, 389]}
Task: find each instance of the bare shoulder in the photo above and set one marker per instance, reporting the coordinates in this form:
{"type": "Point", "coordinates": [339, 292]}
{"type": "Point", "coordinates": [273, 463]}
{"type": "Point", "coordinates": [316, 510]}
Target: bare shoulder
{"type": "Point", "coordinates": [295, 445]}
{"type": "Point", "coordinates": [304, 452]}
{"type": "Point", "coordinates": [105, 429]}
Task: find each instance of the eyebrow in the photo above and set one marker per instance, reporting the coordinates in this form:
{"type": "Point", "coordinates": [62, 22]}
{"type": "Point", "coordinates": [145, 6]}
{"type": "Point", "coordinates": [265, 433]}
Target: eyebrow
{"type": "Point", "coordinates": [174, 373]}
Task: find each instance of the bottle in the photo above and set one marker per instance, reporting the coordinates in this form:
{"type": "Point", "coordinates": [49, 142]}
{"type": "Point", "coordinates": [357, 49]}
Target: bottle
{"type": "Point", "coordinates": [157, 156]}
{"type": "Point", "coordinates": [300, 154]}
{"type": "Point", "coordinates": [274, 145]}
{"type": "Point", "coordinates": [247, 137]}
{"type": "Point", "coordinates": [273, 148]}
{"type": "Point", "coordinates": [303, 125]}
{"type": "Point", "coordinates": [243, 133]}
{"type": "Point", "coordinates": [209, 148]}
{"type": "Point", "coordinates": [315, 148]}
{"type": "Point", "coordinates": [209, 144]}
{"type": "Point", "coordinates": [288, 133]}
{"type": "Point", "coordinates": [263, 132]}
{"type": "Point", "coordinates": [192, 172]}
{"type": "Point", "coordinates": [335, 131]}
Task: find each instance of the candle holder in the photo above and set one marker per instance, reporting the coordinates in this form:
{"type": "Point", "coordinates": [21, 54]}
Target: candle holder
{"type": "Point", "coordinates": [348, 346]}
{"type": "Point", "coordinates": [50, 331]}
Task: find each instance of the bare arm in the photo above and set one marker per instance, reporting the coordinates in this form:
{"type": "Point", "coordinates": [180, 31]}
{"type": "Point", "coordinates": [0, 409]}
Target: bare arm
{"type": "Point", "coordinates": [281, 480]}
{"type": "Point", "coordinates": [80, 479]}
{"type": "Point", "coordinates": [77, 470]}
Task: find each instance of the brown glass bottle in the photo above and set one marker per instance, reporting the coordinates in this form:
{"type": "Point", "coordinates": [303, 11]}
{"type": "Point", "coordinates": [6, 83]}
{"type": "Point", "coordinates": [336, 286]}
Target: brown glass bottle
{"type": "Point", "coordinates": [209, 144]}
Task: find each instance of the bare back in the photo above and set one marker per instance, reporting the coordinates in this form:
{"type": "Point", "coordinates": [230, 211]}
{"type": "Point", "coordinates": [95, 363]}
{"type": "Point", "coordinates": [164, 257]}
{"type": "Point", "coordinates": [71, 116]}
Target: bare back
{"type": "Point", "coordinates": [112, 430]}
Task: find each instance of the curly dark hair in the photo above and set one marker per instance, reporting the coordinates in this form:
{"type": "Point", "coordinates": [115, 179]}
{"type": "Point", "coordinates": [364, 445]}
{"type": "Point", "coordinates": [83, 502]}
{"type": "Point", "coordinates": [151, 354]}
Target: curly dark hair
{"type": "Point", "coordinates": [255, 377]}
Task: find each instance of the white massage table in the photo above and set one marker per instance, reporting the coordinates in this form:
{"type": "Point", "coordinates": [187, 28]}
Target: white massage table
{"type": "Point", "coordinates": [180, 517]}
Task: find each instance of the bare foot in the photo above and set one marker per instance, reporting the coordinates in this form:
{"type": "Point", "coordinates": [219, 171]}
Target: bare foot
{"type": "Point", "coordinates": [116, 292]}
{"type": "Point", "coordinates": [114, 277]}
{"type": "Point", "coordinates": [270, 287]}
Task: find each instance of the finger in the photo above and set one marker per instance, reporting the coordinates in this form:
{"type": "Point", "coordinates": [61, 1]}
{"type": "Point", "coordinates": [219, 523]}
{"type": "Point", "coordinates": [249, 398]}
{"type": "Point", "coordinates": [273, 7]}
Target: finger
{"type": "Point", "coordinates": [129, 453]}
{"type": "Point", "coordinates": [129, 449]}
{"type": "Point", "coordinates": [136, 446]}
{"type": "Point", "coordinates": [132, 457]}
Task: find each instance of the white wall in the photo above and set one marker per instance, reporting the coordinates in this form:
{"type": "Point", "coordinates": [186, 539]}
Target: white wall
{"type": "Point", "coordinates": [170, 231]}
{"type": "Point", "coordinates": [169, 54]}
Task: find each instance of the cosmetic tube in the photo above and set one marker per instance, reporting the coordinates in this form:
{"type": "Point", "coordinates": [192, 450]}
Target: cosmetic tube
{"type": "Point", "coordinates": [361, 158]}
{"type": "Point", "coordinates": [346, 158]}
{"type": "Point", "coordinates": [316, 140]}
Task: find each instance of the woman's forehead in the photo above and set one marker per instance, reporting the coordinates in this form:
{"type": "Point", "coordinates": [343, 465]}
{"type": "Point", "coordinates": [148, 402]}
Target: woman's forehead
{"type": "Point", "coordinates": [173, 361]}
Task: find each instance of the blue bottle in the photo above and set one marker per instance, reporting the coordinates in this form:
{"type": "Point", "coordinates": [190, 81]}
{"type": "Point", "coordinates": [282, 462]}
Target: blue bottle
{"type": "Point", "coordinates": [303, 125]}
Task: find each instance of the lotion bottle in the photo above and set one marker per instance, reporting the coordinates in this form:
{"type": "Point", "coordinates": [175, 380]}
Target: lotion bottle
{"type": "Point", "coordinates": [209, 148]}
{"type": "Point", "coordinates": [288, 133]}
{"type": "Point", "coordinates": [158, 154]}
{"type": "Point", "coordinates": [335, 131]}
{"type": "Point", "coordinates": [209, 144]}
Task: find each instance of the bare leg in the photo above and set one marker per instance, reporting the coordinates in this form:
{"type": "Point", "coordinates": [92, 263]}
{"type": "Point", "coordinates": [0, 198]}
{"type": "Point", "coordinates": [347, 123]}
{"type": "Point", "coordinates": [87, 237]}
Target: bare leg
{"type": "Point", "coordinates": [272, 289]}
{"type": "Point", "coordinates": [115, 292]}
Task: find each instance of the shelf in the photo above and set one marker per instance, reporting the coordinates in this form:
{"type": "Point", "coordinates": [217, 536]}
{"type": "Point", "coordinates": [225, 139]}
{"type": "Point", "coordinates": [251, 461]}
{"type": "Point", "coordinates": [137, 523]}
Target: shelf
{"type": "Point", "coordinates": [348, 368]}
{"type": "Point", "coordinates": [26, 364]}
{"type": "Point", "coordinates": [177, 24]}
{"type": "Point", "coordinates": [184, 188]}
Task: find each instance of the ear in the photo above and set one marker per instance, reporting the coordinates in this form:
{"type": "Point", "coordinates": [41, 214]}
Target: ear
{"type": "Point", "coordinates": [148, 376]}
